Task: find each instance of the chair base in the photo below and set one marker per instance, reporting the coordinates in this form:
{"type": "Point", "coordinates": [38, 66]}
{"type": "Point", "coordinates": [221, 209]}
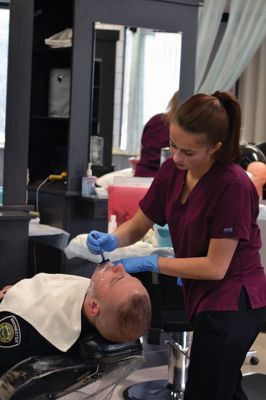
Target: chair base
{"type": "Point", "coordinates": [152, 390]}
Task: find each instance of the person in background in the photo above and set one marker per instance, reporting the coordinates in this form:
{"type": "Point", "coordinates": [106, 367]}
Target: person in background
{"type": "Point", "coordinates": [211, 207]}
{"type": "Point", "coordinates": [154, 137]}
{"type": "Point", "coordinates": [46, 314]}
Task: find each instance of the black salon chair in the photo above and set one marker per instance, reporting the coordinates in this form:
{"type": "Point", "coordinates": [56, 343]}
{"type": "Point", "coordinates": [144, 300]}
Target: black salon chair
{"type": "Point", "coordinates": [168, 315]}
{"type": "Point", "coordinates": [262, 147]}
{"type": "Point", "coordinates": [250, 153]}
{"type": "Point", "coordinates": [96, 366]}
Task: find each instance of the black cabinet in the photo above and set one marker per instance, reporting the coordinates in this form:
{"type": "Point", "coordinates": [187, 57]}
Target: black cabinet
{"type": "Point", "coordinates": [51, 92]}
{"type": "Point", "coordinates": [71, 213]}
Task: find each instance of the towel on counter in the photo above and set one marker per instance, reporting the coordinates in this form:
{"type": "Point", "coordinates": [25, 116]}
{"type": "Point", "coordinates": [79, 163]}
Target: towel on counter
{"type": "Point", "coordinates": [60, 39]}
{"type": "Point", "coordinates": [52, 304]}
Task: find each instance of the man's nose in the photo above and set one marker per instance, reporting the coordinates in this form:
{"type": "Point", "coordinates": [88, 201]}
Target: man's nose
{"type": "Point", "coordinates": [119, 269]}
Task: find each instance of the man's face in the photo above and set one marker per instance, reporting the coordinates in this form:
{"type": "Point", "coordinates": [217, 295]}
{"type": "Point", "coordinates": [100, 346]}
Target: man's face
{"type": "Point", "coordinates": [112, 285]}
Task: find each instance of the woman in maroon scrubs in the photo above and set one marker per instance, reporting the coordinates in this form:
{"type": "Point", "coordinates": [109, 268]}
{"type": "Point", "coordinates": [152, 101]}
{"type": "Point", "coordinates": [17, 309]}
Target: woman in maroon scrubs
{"type": "Point", "coordinates": [155, 136]}
{"type": "Point", "coordinates": [211, 207]}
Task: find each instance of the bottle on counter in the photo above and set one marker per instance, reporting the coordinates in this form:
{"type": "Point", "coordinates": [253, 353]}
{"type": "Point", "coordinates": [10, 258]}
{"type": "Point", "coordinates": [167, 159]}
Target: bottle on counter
{"type": "Point", "coordinates": [88, 183]}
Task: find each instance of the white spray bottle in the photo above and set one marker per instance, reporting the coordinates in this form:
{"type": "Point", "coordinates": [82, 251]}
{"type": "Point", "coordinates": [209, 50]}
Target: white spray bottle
{"type": "Point", "coordinates": [88, 183]}
{"type": "Point", "coordinates": [112, 224]}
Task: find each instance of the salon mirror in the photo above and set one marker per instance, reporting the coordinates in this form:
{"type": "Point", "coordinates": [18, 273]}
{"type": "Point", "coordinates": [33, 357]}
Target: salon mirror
{"type": "Point", "coordinates": [146, 75]}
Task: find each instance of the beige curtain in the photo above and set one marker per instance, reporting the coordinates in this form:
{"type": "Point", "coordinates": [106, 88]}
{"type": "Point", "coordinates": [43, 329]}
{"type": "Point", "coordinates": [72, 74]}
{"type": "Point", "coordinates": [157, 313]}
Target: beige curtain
{"type": "Point", "coordinates": [244, 33]}
{"type": "Point", "coordinates": [252, 96]}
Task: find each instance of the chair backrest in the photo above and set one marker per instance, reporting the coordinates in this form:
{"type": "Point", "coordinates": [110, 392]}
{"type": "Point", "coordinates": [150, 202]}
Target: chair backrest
{"type": "Point", "coordinates": [168, 310]}
{"type": "Point", "coordinates": [262, 147]}
{"type": "Point", "coordinates": [92, 358]}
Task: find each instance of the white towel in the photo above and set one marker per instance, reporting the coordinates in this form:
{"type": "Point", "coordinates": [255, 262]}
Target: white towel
{"type": "Point", "coordinates": [52, 304]}
{"type": "Point", "coordinates": [60, 39]}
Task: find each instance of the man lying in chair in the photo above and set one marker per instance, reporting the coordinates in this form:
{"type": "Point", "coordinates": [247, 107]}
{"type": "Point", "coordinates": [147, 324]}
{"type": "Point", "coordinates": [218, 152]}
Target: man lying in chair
{"type": "Point", "coordinates": [45, 315]}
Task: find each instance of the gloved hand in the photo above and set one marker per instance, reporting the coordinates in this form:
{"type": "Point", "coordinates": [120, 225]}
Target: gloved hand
{"type": "Point", "coordinates": [140, 264]}
{"type": "Point", "coordinates": [98, 242]}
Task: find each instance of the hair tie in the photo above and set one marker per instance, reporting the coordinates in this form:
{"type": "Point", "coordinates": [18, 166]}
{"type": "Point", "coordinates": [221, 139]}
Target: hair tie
{"type": "Point", "coordinates": [220, 97]}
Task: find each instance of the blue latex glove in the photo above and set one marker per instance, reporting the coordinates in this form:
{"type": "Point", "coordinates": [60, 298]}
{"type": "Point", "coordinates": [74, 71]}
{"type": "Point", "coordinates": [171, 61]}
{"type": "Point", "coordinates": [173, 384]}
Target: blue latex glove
{"type": "Point", "coordinates": [99, 242]}
{"type": "Point", "coordinates": [179, 281]}
{"type": "Point", "coordinates": [140, 264]}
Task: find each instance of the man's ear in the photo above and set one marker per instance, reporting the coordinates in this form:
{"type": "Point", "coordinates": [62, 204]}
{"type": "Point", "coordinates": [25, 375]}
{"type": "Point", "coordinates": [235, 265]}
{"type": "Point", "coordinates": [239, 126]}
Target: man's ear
{"type": "Point", "coordinates": [91, 306]}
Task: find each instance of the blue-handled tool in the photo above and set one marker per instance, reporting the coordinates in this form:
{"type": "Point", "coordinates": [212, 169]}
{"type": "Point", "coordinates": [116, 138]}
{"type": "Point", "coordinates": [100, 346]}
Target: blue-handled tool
{"type": "Point", "coordinates": [104, 260]}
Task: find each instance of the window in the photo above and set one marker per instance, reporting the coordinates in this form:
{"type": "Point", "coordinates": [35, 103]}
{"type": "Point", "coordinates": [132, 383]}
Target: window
{"type": "Point", "coordinates": [151, 77]}
{"type": "Point", "coordinates": [4, 28]}
{"type": "Point", "coordinates": [162, 65]}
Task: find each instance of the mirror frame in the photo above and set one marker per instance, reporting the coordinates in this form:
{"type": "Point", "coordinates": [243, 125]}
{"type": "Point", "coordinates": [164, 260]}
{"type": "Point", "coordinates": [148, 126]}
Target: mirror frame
{"type": "Point", "coordinates": [165, 15]}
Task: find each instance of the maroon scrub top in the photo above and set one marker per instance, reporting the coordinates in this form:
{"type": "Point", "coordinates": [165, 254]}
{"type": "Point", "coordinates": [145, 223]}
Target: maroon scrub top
{"type": "Point", "coordinates": [155, 136]}
{"type": "Point", "coordinates": [223, 204]}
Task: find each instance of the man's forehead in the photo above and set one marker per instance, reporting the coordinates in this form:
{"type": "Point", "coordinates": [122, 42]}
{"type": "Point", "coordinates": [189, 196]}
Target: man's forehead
{"type": "Point", "coordinates": [131, 282]}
